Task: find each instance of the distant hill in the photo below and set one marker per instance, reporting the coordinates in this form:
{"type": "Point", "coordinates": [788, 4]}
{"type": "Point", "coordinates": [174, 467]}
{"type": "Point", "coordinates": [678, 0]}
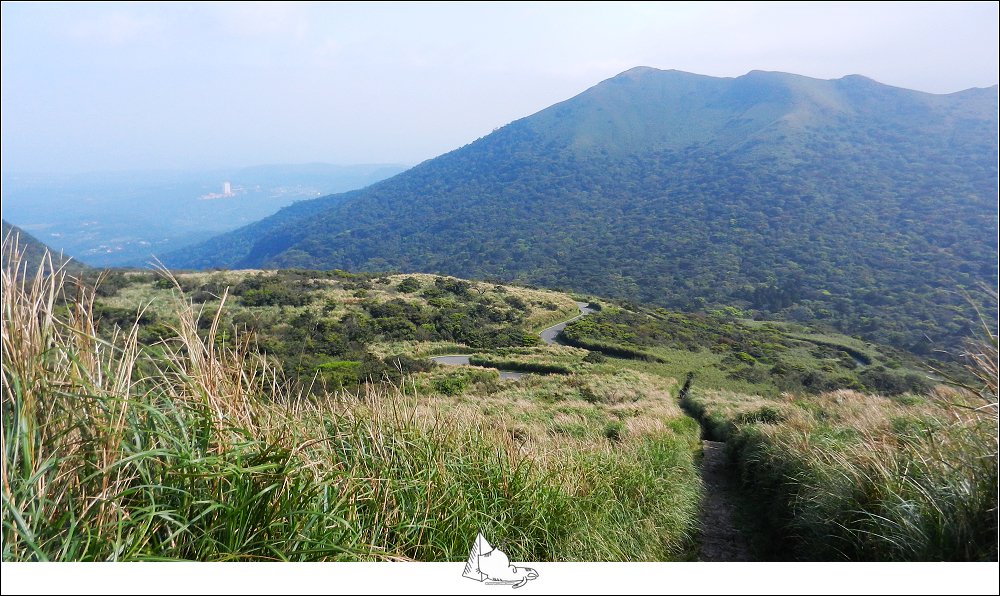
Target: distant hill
{"type": "Point", "coordinates": [846, 202]}
{"type": "Point", "coordinates": [34, 250]}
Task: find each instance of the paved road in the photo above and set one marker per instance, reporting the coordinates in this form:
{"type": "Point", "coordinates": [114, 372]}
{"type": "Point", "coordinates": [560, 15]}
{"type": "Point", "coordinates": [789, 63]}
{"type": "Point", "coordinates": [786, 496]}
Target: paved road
{"type": "Point", "coordinates": [463, 360]}
{"type": "Point", "coordinates": [551, 335]}
{"type": "Point", "coordinates": [452, 360]}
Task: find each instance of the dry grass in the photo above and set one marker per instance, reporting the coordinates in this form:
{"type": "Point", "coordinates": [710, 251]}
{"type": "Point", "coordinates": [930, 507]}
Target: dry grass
{"type": "Point", "coordinates": [195, 449]}
{"type": "Point", "coordinates": [569, 414]}
{"type": "Point", "coordinates": [846, 475]}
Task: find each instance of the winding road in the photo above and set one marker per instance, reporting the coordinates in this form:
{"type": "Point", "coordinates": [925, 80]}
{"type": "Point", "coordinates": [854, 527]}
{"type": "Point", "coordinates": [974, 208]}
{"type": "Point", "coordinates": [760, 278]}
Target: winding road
{"type": "Point", "coordinates": [549, 335]}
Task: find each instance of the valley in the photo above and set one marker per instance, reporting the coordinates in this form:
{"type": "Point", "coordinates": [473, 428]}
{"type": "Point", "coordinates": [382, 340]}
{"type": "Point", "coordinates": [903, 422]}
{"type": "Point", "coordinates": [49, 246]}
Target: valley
{"type": "Point", "coordinates": [110, 219]}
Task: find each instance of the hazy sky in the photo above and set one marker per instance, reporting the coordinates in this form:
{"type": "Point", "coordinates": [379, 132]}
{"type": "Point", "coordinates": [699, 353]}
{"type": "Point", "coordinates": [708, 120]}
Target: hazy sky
{"type": "Point", "coordinates": [94, 86]}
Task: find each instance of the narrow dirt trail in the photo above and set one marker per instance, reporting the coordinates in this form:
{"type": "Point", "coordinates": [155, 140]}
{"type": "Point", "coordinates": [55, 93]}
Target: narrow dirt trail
{"type": "Point", "coordinates": [721, 540]}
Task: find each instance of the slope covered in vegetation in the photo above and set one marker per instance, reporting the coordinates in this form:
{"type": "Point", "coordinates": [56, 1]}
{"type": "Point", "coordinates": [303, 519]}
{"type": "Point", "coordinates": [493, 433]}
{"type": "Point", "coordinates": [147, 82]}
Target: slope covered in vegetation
{"type": "Point", "coordinates": [294, 415]}
{"type": "Point", "coordinates": [725, 351]}
{"type": "Point", "coordinates": [845, 202]}
{"type": "Point", "coordinates": [35, 250]}
{"type": "Point", "coordinates": [851, 476]}
{"type": "Point", "coordinates": [193, 446]}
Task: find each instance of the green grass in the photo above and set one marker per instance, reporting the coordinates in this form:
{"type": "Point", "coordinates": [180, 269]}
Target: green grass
{"type": "Point", "coordinates": [707, 367]}
{"type": "Point", "coordinates": [728, 353]}
{"type": "Point", "coordinates": [862, 477]}
{"type": "Point", "coordinates": [198, 449]}
{"type": "Point", "coordinates": [616, 350]}
{"type": "Point", "coordinates": [164, 431]}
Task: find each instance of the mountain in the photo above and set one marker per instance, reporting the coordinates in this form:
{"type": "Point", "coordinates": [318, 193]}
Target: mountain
{"type": "Point", "coordinates": [34, 250]}
{"type": "Point", "coordinates": [847, 202]}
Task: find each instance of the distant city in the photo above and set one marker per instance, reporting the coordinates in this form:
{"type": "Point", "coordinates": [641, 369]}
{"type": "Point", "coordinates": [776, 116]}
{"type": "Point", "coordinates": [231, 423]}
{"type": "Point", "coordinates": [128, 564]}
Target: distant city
{"type": "Point", "coordinates": [227, 191]}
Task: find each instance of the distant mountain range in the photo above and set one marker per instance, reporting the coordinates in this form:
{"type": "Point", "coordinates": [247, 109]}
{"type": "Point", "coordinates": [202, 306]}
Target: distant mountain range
{"type": "Point", "coordinates": [846, 202]}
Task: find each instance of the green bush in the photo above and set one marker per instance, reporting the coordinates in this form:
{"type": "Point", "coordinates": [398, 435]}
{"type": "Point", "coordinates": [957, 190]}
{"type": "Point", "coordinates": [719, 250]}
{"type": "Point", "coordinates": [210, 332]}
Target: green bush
{"type": "Point", "coordinates": [339, 374]}
{"type": "Point", "coordinates": [520, 365]}
{"type": "Point", "coordinates": [408, 285]}
{"type": "Point", "coordinates": [453, 384]}
{"type": "Point", "coordinates": [881, 380]}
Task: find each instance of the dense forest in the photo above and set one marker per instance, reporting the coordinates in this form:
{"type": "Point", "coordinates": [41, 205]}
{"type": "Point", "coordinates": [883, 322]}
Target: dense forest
{"type": "Point", "coordinates": [846, 203]}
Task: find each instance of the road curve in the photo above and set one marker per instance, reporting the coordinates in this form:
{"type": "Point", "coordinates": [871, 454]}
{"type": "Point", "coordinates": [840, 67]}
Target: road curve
{"type": "Point", "coordinates": [550, 335]}
{"type": "Point", "coordinates": [463, 360]}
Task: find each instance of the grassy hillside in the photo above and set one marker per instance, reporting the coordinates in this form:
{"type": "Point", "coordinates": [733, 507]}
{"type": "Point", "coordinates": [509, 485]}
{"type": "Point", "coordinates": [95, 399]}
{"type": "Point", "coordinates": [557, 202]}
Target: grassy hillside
{"type": "Point", "coordinates": [846, 203]}
{"type": "Point", "coordinates": [196, 447]}
{"type": "Point", "coordinates": [294, 415]}
{"type": "Point", "coordinates": [339, 328]}
{"type": "Point", "coordinates": [724, 351]}
{"type": "Point", "coordinates": [852, 476]}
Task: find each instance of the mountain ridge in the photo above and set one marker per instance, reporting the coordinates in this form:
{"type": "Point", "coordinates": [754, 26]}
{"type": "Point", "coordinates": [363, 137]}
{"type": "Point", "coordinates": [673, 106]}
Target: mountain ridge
{"type": "Point", "coordinates": [780, 194]}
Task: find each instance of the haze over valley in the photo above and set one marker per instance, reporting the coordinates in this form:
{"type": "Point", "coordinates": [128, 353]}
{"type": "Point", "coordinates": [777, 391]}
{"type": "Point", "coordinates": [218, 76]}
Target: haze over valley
{"type": "Point", "coordinates": [109, 219]}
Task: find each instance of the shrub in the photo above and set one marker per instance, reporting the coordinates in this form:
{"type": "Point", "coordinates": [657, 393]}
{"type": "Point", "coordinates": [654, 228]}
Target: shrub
{"type": "Point", "coordinates": [339, 374]}
{"type": "Point", "coordinates": [408, 285]}
{"type": "Point", "coordinates": [453, 384]}
{"type": "Point", "coordinates": [881, 380]}
{"type": "Point", "coordinates": [200, 451]}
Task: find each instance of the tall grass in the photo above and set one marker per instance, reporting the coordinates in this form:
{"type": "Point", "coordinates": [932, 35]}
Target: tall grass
{"type": "Point", "coordinates": [111, 454]}
{"type": "Point", "coordinates": [197, 449]}
{"type": "Point", "coordinates": [862, 477]}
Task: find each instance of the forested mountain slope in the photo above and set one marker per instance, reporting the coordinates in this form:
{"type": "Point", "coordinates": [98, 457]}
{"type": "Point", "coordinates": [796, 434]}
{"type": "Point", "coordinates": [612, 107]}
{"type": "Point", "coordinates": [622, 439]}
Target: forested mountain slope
{"type": "Point", "coordinates": [849, 202]}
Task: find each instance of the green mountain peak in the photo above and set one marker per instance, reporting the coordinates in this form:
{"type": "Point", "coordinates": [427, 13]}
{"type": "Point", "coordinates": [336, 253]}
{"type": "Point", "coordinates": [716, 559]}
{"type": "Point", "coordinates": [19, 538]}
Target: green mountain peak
{"type": "Point", "coordinates": [845, 202]}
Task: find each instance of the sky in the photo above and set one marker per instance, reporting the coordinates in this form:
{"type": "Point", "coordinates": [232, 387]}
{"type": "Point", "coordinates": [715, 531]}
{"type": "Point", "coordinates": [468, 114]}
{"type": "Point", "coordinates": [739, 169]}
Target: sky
{"type": "Point", "coordinates": [119, 86]}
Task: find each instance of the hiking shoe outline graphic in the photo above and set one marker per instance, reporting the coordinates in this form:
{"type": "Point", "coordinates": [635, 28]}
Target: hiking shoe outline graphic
{"type": "Point", "coordinates": [491, 565]}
